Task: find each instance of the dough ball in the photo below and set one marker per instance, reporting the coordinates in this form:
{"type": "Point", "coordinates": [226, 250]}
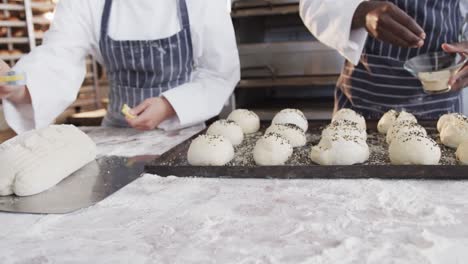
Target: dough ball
{"type": "Point", "coordinates": [210, 150]}
{"type": "Point", "coordinates": [294, 134]}
{"type": "Point", "coordinates": [402, 127]}
{"type": "Point", "coordinates": [454, 133]}
{"type": "Point", "coordinates": [228, 129]}
{"type": "Point", "coordinates": [291, 116]}
{"type": "Point", "coordinates": [414, 148]}
{"type": "Point", "coordinates": [344, 128]}
{"type": "Point", "coordinates": [271, 150]}
{"type": "Point", "coordinates": [405, 116]}
{"type": "Point", "coordinates": [448, 119]}
{"type": "Point", "coordinates": [462, 153]}
{"type": "Point", "coordinates": [247, 120]}
{"type": "Point", "coordinates": [351, 115]}
{"type": "Point", "coordinates": [37, 160]}
{"type": "Point", "coordinates": [340, 150]}
{"type": "Point", "coordinates": [386, 122]}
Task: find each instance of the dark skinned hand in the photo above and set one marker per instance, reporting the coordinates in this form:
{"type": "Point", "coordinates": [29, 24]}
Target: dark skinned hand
{"type": "Point", "coordinates": [388, 23]}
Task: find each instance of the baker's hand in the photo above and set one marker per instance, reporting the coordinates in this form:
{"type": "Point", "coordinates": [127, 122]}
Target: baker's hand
{"type": "Point", "coordinates": [387, 22]}
{"type": "Point", "coordinates": [15, 94]}
{"type": "Point", "coordinates": [459, 80]}
{"type": "Point", "coordinates": [150, 113]}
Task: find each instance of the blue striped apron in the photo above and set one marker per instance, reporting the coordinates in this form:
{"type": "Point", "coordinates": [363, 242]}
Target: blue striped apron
{"type": "Point", "coordinates": [380, 83]}
{"type": "Point", "coordinates": [138, 70]}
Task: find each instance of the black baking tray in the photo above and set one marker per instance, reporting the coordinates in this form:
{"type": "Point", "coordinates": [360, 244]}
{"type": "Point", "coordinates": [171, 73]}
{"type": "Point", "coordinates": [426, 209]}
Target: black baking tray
{"type": "Point", "coordinates": [174, 163]}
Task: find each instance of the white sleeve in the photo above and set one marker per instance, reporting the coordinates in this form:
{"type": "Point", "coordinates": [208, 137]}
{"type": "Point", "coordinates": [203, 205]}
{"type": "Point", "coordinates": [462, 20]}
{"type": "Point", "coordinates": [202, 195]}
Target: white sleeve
{"type": "Point", "coordinates": [330, 22]}
{"type": "Point", "coordinates": [54, 70]}
{"type": "Point", "coordinates": [216, 73]}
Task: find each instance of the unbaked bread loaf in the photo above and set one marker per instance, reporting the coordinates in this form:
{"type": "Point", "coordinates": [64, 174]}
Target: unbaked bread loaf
{"type": "Point", "coordinates": [228, 129]}
{"type": "Point", "coordinates": [272, 150]}
{"type": "Point", "coordinates": [294, 134]}
{"type": "Point", "coordinates": [210, 150]}
{"type": "Point", "coordinates": [414, 148]}
{"type": "Point", "coordinates": [351, 115]}
{"type": "Point", "coordinates": [37, 160]}
{"type": "Point", "coordinates": [247, 120]}
{"type": "Point", "coordinates": [340, 150]}
{"type": "Point", "coordinates": [291, 116]}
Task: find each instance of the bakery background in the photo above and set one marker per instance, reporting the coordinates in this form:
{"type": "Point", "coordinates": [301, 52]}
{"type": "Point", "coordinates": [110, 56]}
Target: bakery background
{"type": "Point", "coordinates": [282, 63]}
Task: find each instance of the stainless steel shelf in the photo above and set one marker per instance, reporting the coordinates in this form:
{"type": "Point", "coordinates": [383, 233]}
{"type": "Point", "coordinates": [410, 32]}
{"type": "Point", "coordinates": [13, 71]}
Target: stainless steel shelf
{"type": "Point", "coordinates": [12, 23]}
{"type": "Point", "coordinates": [265, 11]}
{"type": "Point", "coordinates": [14, 40]}
{"type": "Point", "coordinates": [289, 81]}
{"type": "Point", "coordinates": [42, 6]}
{"type": "Point", "coordinates": [11, 7]}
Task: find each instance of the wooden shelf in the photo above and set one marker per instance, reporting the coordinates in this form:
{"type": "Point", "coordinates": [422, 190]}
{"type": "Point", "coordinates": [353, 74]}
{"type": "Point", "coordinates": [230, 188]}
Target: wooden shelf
{"type": "Point", "coordinates": [83, 103]}
{"type": "Point", "coordinates": [87, 89]}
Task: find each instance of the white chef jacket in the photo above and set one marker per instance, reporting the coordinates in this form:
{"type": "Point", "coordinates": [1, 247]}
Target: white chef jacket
{"type": "Point", "coordinates": [330, 22]}
{"type": "Point", "coordinates": [55, 71]}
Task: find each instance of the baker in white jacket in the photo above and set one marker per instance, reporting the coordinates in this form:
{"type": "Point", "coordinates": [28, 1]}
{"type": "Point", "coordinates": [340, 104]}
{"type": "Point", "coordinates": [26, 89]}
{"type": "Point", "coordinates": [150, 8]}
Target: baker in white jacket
{"type": "Point", "coordinates": [174, 62]}
{"type": "Point", "coordinates": [376, 38]}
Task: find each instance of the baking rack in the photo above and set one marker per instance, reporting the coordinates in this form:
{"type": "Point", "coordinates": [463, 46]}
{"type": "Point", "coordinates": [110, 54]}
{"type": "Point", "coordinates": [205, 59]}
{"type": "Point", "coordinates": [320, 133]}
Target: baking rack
{"type": "Point", "coordinates": [22, 27]}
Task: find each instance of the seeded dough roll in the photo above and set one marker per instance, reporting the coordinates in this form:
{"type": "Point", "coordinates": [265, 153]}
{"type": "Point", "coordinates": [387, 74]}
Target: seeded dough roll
{"type": "Point", "coordinates": [447, 119]}
{"type": "Point", "coordinates": [247, 120]}
{"type": "Point", "coordinates": [386, 122]}
{"type": "Point", "coordinates": [228, 129]}
{"type": "Point", "coordinates": [402, 127]}
{"type": "Point", "coordinates": [37, 160]}
{"type": "Point", "coordinates": [414, 148]}
{"type": "Point", "coordinates": [405, 116]}
{"type": "Point", "coordinates": [455, 132]}
{"type": "Point", "coordinates": [344, 128]}
{"type": "Point", "coordinates": [462, 153]}
{"type": "Point", "coordinates": [351, 115]}
{"type": "Point", "coordinates": [294, 134]}
{"type": "Point", "coordinates": [271, 150]}
{"type": "Point", "coordinates": [291, 116]}
{"type": "Point", "coordinates": [340, 150]}
{"type": "Point", "coordinates": [210, 150]}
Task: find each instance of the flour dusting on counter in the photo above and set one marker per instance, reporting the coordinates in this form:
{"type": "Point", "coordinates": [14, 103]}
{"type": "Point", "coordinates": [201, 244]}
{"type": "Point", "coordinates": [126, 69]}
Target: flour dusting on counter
{"type": "Point", "coordinates": [189, 220]}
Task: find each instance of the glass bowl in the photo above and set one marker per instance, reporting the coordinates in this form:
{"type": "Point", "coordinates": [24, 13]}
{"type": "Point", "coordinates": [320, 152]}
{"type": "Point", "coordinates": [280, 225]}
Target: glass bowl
{"type": "Point", "coordinates": [434, 70]}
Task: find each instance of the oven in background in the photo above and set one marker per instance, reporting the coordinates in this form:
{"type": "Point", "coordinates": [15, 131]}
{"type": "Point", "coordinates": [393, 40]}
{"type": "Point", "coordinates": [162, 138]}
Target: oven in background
{"type": "Point", "coordinates": [282, 64]}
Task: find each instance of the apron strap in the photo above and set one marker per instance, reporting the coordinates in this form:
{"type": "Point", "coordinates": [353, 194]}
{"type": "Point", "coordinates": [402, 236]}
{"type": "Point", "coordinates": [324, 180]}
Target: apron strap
{"type": "Point", "coordinates": [184, 15]}
{"type": "Point", "coordinates": [105, 18]}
